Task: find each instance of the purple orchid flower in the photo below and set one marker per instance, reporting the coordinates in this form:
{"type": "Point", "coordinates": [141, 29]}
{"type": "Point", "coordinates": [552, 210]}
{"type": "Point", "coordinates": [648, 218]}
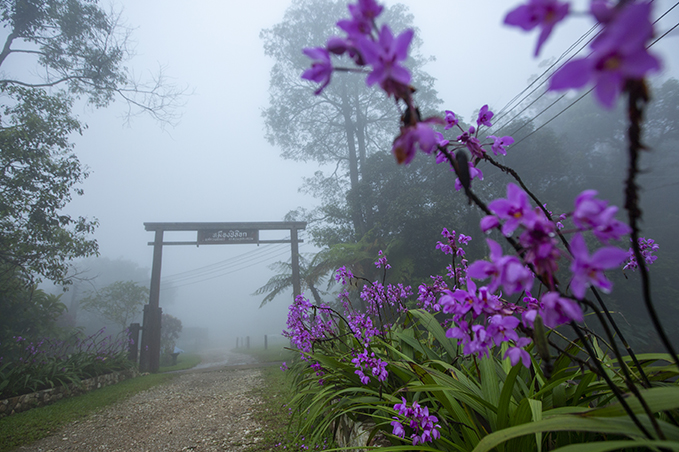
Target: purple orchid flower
{"type": "Point", "coordinates": [321, 67]}
{"type": "Point", "coordinates": [485, 115]}
{"type": "Point", "coordinates": [420, 135]}
{"type": "Point", "coordinates": [398, 428]}
{"type": "Point", "coordinates": [441, 141]}
{"type": "Point", "coordinates": [538, 13]}
{"type": "Point", "coordinates": [596, 214]}
{"type": "Point", "coordinates": [590, 269]}
{"type": "Point", "coordinates": [500, 144]}
{"type": "Point", "coordinates": [472, 143]}
{"type": "Point", "coordinates": [515, 209]}
{"type": "Point", "coordinates": [507, 271]}
{"type": "Point", "coordinates": [385, 56]}
{"type": "Point", "coordinates": [556, 310]}
{"type": "Point", "coordinates": [489, 222]}
{"type": "Point", "coordinates": [480, 343]}
{"type": "Point", "coordinates": [461, 301]}
{"type": "Point", "coordinates": [503, 328]}
{"type": "Point", "coordinates": [451, 120]}
{"type": "Point", "coordinates": [517, 353]}
{"type": "Point", "coordinates": [619, 53]}
{"type": "Point", "coordinates": [647, 248]}
{"type": "Point", "coordinates": [363, 14]}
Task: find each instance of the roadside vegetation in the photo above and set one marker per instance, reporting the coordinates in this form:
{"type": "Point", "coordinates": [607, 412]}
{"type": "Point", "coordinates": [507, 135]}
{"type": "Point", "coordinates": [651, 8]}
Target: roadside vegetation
{"type": "Point", "coordinates": [274, 415]}
{"type": "Point", "coordinates": [274, 353]}
{"type": "Point", "coordinates": [32, 365]}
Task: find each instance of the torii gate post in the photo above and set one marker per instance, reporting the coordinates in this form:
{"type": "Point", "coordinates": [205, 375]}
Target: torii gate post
{"type": "Point", "coordinates": [296, 283]}
{"type": "Point", "coordinates": [149, 355]}
{"type": "Point", "coordinates": [208, 233]}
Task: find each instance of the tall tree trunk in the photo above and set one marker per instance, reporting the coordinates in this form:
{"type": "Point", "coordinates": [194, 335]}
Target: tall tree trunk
{"type": "Point", "coordinates": [350, 129]}
{"type": "Point", "coordinates": [361, 124]}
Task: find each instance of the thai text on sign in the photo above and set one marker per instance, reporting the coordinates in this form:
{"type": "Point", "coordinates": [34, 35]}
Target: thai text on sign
{"type": "Point", "coordinates": [228, 236]}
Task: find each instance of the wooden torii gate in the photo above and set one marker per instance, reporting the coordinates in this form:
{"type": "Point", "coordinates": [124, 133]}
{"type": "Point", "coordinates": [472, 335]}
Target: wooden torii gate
{"type": "Point", "coordinates": [207, 234]}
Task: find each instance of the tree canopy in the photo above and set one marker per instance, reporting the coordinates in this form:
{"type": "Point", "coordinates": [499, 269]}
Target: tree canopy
{"type": "Point", "coordinates": [39, 172]}
{"type": "Point", "coordinates": [27, 312]}
{"type": "Point", "coordinates": [344, 125]}
{"type": "Point", "coordinates": [118, 303]}
{"type": "Point", "coordinates": [81, 48]}
{"type": "Point", "coordinates": [65, 50]}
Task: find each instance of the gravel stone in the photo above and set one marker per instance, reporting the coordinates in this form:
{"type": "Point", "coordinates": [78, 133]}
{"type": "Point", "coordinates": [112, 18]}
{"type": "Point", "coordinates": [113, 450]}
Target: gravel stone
{"type": "Point", "coordinates": [208, 409]}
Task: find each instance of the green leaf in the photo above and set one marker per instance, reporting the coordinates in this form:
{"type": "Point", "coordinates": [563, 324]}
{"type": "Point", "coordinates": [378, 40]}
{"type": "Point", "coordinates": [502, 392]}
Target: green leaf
{"type": "Point", "coordinates": [414, 344]}
{"type": "Point", "coordinates": [490, 388]}
{"type": "Point", "coordinates": [658, 399]}
{"type": "Point", "coordinates": [506, 398]}
{"type": "Point", "coordinates": [432, 325]}
{"type": "Point", "coordinates": [536, 414]}
{"type": "Point", "coordinates": [618, 426]}
{"type": "Point", "coordinates": [604, 446]}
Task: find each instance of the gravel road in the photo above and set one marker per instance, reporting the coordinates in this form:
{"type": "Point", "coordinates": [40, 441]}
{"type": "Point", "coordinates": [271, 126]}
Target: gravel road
{"type": "Point", "coordinates": [204, 409]}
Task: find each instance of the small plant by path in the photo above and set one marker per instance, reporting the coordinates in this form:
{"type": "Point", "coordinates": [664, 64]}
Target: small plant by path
{"type": "Point", "coordinates": [275, 416]}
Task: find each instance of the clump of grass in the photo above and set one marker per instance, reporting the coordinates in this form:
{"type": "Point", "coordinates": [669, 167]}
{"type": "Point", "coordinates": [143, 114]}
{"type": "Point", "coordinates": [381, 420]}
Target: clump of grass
{"type": "Point", "coordinates": [184, 361]}
{"type": "Point", "coordinates": [29, 426]}
{"type": "Point", "coordinates": [274, 416]}
{"type": "Point", "coordinates": [272, 354]}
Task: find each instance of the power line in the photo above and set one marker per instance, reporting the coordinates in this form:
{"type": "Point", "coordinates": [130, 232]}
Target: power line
{"type": "Point", "coordinates": [545, 81]}
{"type": "Point", "coordinates": [226, 273]}
{"type": "Point", "coordinates": [667, 32]}
{"type": "Point", "coordinates": [502, 113]}
{"type": "Point", "coordinates": [539, 114]}
{"type": "Point", "coordinates": [267, 249]}
{"type": "Point", "coordinates": [236, 265]}
{"type": "Point", "coordinates": [555, 116]}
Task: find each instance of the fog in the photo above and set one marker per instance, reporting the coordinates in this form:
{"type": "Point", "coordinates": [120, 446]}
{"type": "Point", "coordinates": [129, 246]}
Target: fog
{"type": "Point", "coordinates": [215, 165]}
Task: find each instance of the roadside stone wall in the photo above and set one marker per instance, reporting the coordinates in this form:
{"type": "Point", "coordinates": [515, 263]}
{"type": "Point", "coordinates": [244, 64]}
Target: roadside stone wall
{"type": "Point", "coordinates": [46, 396]}
{"type": "Point", "coordinates": [356, 434]}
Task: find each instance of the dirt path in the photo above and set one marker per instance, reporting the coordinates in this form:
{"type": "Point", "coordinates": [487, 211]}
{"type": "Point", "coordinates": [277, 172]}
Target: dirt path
{"type": "Point", "coordinates": [205, 409]}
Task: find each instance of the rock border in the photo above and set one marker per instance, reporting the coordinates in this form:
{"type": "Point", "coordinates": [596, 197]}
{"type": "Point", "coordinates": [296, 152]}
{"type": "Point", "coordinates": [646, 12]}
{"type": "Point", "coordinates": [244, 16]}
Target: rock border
{"type": "Point", "coordinates": [25, 402]}
{"type": "Point", "coordinates": [356, 434]}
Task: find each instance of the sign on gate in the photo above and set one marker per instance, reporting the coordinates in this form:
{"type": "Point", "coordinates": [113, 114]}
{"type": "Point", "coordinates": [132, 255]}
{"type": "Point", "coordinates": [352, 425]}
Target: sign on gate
{"type": "Point", "coordinates": [223, 236]}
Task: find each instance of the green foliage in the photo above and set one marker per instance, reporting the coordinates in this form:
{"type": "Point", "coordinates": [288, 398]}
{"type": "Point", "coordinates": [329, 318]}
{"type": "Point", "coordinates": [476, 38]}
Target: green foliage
{"type": "Point", "coordinates": [81, 47]}
{"type": "Point", "coordinates": [80, 50]}
{"type": "Point", "coordinates": [43, 364]}
{"type": "Point", "coordinates": [77, 43]}
{"type": "Point", "coordinates": [119, 302]}
{"type": "Point", "coordinates": [27, 312]}
{"type": "Point", "coordinates": [38, 177]}
{"type": "Point", "coordinates": [274, 415]}
{"type": "Point", "coordinates": [312, 274]}
{"type": "Point", "coordinates": [29, 426]}
{"type": "Point", "coordinates": [484, 403]}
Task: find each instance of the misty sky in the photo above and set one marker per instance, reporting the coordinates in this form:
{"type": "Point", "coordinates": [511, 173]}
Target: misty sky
{"type": "Point", "coordinates": [215, 165]}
